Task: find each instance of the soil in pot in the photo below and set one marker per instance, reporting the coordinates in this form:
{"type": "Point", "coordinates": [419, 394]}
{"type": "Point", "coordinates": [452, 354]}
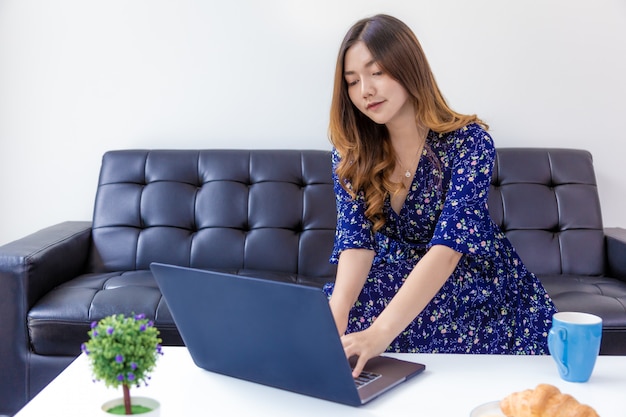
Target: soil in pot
{"type": "Point", "coordinates": [141, 406]}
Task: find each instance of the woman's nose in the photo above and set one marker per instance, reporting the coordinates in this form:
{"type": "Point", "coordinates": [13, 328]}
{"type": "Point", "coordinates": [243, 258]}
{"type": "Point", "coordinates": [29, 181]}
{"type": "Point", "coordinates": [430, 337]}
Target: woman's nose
{"type": "Point", "coordinates": [367, 89]}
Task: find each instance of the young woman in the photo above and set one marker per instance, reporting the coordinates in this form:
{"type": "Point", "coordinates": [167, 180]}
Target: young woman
{"type": "Point", "coordinates": [421, 265]}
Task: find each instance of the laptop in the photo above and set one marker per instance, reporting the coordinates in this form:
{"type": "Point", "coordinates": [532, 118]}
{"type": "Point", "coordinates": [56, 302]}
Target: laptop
{"type": "Point", "coordinates": [274, 333]}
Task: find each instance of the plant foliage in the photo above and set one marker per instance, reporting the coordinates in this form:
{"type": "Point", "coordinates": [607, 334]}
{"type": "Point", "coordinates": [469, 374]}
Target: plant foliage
{"type": "Point", "coordinates": [123, 350]}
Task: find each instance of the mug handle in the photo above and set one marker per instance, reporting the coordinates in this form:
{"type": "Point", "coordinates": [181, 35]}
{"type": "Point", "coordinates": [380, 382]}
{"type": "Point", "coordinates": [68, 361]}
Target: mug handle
{"type": "Point", "coordinates": [557, 350]}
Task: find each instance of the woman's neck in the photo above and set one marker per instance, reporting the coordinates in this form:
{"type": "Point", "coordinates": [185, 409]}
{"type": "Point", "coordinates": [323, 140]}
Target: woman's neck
{"type": "Point", "coordinates": [407, 138]}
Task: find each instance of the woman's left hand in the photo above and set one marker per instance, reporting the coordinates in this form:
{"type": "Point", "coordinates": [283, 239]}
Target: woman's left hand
{"type": "Point", "coordinates": [365, 345]}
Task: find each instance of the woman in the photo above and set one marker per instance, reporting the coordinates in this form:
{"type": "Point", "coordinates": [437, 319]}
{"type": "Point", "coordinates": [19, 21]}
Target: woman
{"type": "Point", "coordinates": [421, 265]}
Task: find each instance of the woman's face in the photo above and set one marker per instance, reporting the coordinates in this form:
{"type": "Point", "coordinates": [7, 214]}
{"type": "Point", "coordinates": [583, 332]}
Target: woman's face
{"type": "Point", "coordinates": [372, 91]}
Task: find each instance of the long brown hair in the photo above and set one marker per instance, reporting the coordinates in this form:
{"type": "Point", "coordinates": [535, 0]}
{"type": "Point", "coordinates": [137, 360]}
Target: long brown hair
{"type": "Point", "coordinates": [367, 157]}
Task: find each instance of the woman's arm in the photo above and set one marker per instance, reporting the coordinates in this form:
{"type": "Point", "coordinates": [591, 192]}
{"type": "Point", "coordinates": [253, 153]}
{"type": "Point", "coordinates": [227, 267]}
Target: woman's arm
{"type": "Point", "coordinates": [352, 270]}
{"type": "Point", "coordinates": [422, 284]}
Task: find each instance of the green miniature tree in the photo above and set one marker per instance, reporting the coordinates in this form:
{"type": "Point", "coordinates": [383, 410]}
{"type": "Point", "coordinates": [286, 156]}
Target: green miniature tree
{"type": "Point", "coordinates": [123, 351]}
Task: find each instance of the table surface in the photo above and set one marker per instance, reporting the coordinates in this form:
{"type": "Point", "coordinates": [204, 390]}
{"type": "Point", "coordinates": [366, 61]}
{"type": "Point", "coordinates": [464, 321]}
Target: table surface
{"type": "Point", "coordinates": [452, 385]}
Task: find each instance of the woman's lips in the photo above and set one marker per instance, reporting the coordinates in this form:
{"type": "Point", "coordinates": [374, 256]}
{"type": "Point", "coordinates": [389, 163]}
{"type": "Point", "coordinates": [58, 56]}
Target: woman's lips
{"type": "Point", "coordinates": [374, 105]}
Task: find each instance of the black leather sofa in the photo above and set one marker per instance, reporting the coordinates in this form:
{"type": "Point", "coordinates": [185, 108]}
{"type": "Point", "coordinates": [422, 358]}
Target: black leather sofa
{"type": "Point", "coordinates": [269, 213]}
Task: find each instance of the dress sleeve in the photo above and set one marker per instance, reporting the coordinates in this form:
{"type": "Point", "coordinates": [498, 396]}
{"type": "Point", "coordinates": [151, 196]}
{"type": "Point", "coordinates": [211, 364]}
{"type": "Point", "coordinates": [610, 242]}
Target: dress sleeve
{"type": "Point", "coordinates": [353, 230]}
{"type": "Point", "coordinates": [465, 224]}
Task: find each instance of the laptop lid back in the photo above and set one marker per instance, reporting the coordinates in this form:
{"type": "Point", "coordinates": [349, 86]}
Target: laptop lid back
{"type": "Point", "coordinates": [274, 333]}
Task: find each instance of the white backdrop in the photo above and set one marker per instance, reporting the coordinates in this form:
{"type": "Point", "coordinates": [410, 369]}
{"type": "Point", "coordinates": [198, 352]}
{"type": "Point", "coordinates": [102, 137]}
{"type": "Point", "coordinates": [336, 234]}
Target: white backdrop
{"type": "Point", "coordinates": [80, 77]}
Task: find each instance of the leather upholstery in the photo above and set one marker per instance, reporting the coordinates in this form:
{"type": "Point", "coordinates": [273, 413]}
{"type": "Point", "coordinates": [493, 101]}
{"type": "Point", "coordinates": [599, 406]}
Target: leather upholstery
{"type": "Point", "coordinates": [546, 201]}
{"type": "Point", "coordinates": [238, 211]}
{"type": "Point", "coordinates": [269, 213]}
{"type": "Point", "coordinates": [186, 207]}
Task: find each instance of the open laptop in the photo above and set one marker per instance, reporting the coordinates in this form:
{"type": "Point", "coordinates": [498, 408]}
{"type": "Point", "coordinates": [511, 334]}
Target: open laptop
{"type": "Point", "coordinates": [273, 333]}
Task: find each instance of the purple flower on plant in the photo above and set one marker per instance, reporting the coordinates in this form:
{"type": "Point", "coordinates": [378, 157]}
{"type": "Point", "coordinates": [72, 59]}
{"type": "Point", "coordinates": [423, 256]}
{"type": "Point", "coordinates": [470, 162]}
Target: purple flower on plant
{"type": "Point", "coordinates": [83, 348]}
{"type": "Point", "coordinates": [140, 316]}
{"type": "Point", "coordinates": [133, 366]}
{"type": "Point", "coordinates": [94, 324]}
{"type": "Point", "coordinates": [131, 376]}
{"type": "Point", "coordinates": [119, 359]}
{"type": "Point", "coordinates": [142, 328]}
{"type": "Point", "coordinates": [120, 377]}
{"type": "Point", "coordinates": [110, 330]}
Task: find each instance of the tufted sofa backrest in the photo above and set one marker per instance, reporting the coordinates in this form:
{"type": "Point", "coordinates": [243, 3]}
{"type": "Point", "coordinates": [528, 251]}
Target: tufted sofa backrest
{"type": "Point", "coordinates": [269, 210]}
{"type": "Point", "coordinates": [546, 201]}
{"type": "Point", "coordinates": [274, 210]}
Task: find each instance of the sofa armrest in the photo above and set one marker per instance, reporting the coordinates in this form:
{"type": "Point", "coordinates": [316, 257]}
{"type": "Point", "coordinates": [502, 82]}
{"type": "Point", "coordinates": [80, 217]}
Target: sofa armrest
{"type": "Point", "coordinates": [29, 268]}
{"type": "Point", "coordinates": [33, 265]}
{"type": "Point", "coordinates": [616, 251]}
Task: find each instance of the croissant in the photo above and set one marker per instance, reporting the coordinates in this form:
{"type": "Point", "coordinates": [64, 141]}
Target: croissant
{"type": "Point", "coordinates": [544, 401]}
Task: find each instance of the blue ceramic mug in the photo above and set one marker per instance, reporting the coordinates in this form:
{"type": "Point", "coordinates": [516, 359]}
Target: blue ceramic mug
{"type": "Point", "coordinates": [574, 343]}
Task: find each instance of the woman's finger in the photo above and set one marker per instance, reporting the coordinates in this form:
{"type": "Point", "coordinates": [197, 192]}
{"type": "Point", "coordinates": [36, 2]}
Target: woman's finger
{"type": "Point", "coordinates": [358, 368]}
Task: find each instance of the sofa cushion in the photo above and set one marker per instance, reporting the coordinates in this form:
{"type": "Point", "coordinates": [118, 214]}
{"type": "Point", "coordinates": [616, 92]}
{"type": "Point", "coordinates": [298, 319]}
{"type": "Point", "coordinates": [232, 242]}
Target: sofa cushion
{"type": "Point", "coordinates": [62, 318]}
{"type": "Point", "coordinates": [603, 296]}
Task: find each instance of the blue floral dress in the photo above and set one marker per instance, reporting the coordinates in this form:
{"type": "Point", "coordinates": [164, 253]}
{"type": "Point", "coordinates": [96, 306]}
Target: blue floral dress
{"type": "Point", "coordinates": [491, 303]}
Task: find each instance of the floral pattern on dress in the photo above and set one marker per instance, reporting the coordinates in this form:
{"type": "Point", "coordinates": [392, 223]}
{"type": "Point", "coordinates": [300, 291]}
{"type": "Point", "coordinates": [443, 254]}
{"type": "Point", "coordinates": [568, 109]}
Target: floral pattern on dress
{"type": "Point", "coordinates": [491, 303]}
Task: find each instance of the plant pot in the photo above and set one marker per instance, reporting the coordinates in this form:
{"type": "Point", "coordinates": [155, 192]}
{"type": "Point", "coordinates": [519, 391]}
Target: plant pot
{"type": "Point", "coordinates": [153, 404]}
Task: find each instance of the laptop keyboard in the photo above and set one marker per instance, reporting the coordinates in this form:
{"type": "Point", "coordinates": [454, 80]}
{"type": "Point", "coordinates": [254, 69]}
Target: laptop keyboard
{"type": "Point", "coordinates": [365, 378]}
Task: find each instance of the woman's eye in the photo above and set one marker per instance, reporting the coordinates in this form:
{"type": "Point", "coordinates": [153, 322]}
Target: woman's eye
{"type": "Point", "coordinates": [378, 73]}
{"type": "Point", "coordinates": [351, 83]}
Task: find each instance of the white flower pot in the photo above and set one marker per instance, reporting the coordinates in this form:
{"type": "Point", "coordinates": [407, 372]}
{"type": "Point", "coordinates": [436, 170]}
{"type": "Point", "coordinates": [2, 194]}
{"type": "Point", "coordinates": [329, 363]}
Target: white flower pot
{"type": "Point", "coordinates": [145, 401]}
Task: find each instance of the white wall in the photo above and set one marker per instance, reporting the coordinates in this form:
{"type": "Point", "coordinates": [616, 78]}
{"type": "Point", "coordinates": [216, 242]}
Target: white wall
{"type": "Point", "coordinates": [80, 77]}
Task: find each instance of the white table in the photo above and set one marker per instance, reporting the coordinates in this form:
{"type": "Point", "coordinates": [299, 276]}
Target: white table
{"type": "Point", "coordinates": [451, 386]}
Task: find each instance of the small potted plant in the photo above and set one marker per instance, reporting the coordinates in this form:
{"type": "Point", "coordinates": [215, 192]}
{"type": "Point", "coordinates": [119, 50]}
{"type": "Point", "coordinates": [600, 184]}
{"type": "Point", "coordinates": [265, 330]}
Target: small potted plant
{"type": "Point", "coordinates": [123, 351]}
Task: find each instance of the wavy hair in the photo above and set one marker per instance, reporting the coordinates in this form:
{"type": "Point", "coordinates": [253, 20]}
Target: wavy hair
{"type": "Point", "coordinates": [367, 158]}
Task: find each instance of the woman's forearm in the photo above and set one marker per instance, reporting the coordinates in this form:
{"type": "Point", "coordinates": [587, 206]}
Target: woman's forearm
{"type": "Point", "coordinates": [418, 290]}
{"type": "Point", "coordinates": [352, 270]}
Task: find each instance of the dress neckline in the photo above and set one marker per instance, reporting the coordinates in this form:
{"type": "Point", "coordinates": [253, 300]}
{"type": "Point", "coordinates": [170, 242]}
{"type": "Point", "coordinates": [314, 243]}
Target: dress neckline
{"type": "Point", "coordinates": [419, 167]}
